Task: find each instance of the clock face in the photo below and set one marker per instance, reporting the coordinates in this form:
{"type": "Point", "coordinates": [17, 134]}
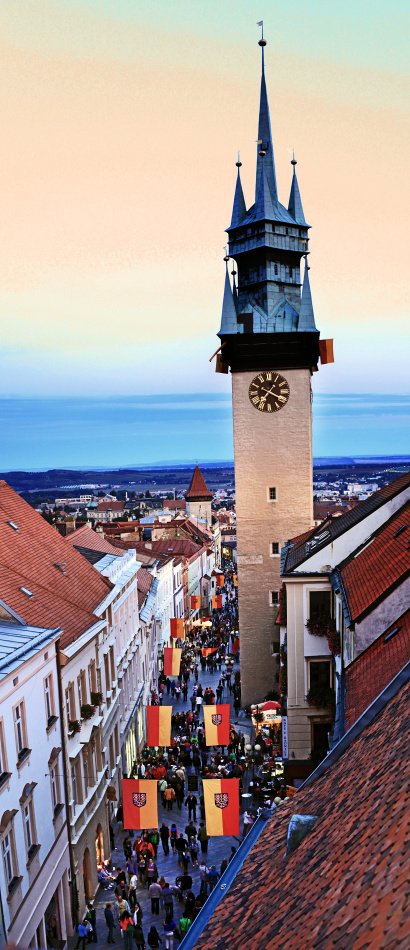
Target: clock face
{"type": "Point", "coordinates": [269, 391]}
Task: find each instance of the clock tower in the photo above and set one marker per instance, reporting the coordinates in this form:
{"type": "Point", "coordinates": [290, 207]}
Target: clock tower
{"type": "Point", "coordinates": [270, 343]}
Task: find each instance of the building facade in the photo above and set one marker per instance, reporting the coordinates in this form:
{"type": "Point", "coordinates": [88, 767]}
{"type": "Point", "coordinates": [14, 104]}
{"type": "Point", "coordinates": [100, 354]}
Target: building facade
{"type": "Point", "coordinates": [35, 860]}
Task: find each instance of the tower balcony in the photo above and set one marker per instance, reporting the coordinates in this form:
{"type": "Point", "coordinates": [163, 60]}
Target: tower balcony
{"type": "Point", "coordinates": [240, 244]}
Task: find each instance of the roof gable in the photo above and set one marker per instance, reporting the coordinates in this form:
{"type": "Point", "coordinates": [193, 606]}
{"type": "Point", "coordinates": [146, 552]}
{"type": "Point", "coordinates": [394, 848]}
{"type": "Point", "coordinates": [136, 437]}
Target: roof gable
{"type": "Point", "coordinates": [198, 489]}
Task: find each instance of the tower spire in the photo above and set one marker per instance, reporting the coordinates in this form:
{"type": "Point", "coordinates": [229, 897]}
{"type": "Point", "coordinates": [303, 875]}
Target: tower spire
{"type": "Point", "coordinates": [265, 156]}
{"type": "Point", "coordinates": [239, 206]}
{"type": "Point", "coordinates": [295, 207]}
{"type": "Point", "coordinates": [228, 318]}
{"type": "Point", "coordinates": [306, 314]}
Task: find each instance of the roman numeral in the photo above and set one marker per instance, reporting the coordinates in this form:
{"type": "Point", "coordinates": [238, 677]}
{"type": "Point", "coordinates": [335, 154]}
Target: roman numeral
{"type": "Point", "coordinates": [268, 376]}
{"type": "Point", "coordinates": [269, 408]}
{"type": "Point", "coordinates": [255, 400]}
{"type": "Point", "coordinates": [261, 379]}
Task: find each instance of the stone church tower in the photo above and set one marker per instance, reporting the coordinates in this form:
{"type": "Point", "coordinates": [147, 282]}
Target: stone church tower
{"type": "Point", "coordinates": [270, 343]}
{"type": "Point", "coordinates": [199, 499]}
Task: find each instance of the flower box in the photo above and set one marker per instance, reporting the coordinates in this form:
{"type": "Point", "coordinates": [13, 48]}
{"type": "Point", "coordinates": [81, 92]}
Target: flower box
{"type": "Point", "coordinates": [87, 711]}
{"type": "Point", "coordinates": [74, 726]}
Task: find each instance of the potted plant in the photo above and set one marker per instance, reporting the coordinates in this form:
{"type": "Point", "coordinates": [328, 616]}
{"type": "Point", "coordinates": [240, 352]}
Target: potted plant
{"type": "Point", "coordinates": [96, 699]}
{"type": "Point", "coordinates": [87, 711]}
{"type": "Point", "coordinates": [74, 726]}
{"type": "Point", "coordinates": [321, 696]}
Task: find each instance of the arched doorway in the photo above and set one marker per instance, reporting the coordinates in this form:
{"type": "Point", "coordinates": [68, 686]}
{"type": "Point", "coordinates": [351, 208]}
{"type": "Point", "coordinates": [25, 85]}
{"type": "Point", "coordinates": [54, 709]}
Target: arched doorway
{"type": "Point", "coordinates": [99, 845]}
{"type": "Point", "coordinates": [87, 878]}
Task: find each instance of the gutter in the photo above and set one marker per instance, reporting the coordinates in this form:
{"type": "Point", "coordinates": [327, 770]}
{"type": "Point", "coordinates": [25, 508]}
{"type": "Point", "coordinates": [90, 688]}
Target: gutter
{"type": "Point", "coordinates": [222, 887]}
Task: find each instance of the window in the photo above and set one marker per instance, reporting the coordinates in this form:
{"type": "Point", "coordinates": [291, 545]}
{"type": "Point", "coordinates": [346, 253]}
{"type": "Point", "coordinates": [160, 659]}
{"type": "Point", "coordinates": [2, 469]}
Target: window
{"type": "Point", "coordinates": [74, 784]}
{"type": "Point", "coordinates": [9, 857]}
{"type": "Point", "coordinates": [86, 771]}
{"type": "Point", "coordinates": [29, 825]}
{"type": "Point", "coordinates": [49, 697]}
{"type": "Point", "coordinates": [107, 673]}
{"type": "Point", "coordinates": [320, 674]}
{"type": "Point", "coordinates": [274, 598]}
{"type": "Point", "coordinates": [20, 729]}
{"type": "Point", "coordinates": [272, 494]}
{"type": "Point", "coordinates": [275, 548]}
{"type": "Point", "coordinates": [82, 689]}
{"type": "Point", "coordinates": [3, 757]}
{"type": "Point", "coordinates": [319, 605]}
{"type": "Point", "coordinates": [112, 664]}
{"type": "Point", "coordinates": [116, 741]}
{"type": "Point", "coordinates": [70, 703]}
{"type": "Point", "coordinates": [92, 679]}
{"type": "Point", "coordinates": [55, 785]}
{"type": "Point", "coordinates": [98, 674]}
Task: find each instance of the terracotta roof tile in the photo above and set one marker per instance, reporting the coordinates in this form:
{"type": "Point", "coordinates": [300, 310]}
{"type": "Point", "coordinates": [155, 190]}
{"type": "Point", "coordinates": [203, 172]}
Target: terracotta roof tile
{"type": "Point", "coordinates": [347, 884]}
{"type": "Point", "coordinates": [381, 564]}
{"type": "Point", "coordinates": [86, 537]}
{"type": "Point", "coordinates": [65, 588]}
{"type": "Point", "coordinates": [198, 489]}
{"type": "Point", "coordinates": [370, 672]}
{"type": "Point", "coordinates": [111, 506]}
{"type": "Point", "coordinates": [298, 552]}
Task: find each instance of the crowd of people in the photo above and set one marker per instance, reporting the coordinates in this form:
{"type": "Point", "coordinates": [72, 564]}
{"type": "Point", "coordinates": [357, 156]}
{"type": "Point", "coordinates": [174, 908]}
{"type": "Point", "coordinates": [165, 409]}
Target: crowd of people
{"type": "Point", "coordinates": [188, 757]}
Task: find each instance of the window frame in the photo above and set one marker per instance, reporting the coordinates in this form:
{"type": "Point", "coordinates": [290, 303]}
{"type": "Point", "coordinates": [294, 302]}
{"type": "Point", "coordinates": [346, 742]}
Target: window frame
{"type": "Point", "coordinates": [274, 602]}
{"type": "Point", "coordinates": [272, 552]}
{"type": "Point", "coordinates": [20, 727]}
{"type": "Point", "coordinates": [272, 488]}
{"type": "Point", "coordinates": [49, 697]}
{"type": "Point", "coordinates": [10, 866]}
{"type": "Point", "coordinates": [323, 660]}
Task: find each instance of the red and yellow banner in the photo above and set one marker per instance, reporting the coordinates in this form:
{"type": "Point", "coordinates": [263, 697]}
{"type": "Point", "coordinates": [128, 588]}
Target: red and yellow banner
{"type": "Point", "coordinates": [216, 601]}
{"type": "Point", "coordinates": [140, 803]}
{"type": "Point", "coordinates": [326, 351]}
{"type": "Point", "coordinates": [220, 580]}
{"type": "Point", "coordinates": [177, 628]}
{"type": "Point", "coordinates": [172, 661]}
{"type": "Point", "coordinates": [206, 651]}
{"type": "Point", "coordinates": [235, 645]}
{"type": "Point", "coordinates": [195, 602]}
{"type": "Point", "coordinates": [159, 725]}
{"type": "Point", "coordinates": [221, 797]}
{"type": "Point", "coordinates": [217, 720]}
{"type": "Point", "coordinates": [235, 580]}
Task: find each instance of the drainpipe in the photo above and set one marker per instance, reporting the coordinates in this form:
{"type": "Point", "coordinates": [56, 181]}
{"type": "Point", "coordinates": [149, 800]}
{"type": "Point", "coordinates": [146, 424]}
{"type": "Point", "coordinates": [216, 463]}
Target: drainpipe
{"type": "Point", "coordinates": [74, 891]}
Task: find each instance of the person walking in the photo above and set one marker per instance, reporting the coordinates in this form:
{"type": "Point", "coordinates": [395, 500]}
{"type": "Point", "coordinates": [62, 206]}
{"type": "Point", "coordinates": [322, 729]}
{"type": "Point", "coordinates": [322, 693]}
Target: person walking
{"type": "Point", "coordinates": [164, 835]}
{"type": "Point", "coordinates": [139, 938]}
{"type": "Point", "coordinates": [155, 891]}
{"type": "Point", "coordinates": [153, 938]}
{"type": "Point", "coordinates": [203, 876]}
{"type": "Point", "coordinates": [81, 935]}
{"type": "Point", "coordinates": [169, 931]}
{"type": "Point", "coordinates": [109, 920]}
{"type": "Point", "coordinates": [169, 796]}
{"type": "Point", "coordinates": [127, 927]}
{"type": "Point", "coordinates": [91, 917]}
{"type": "Point", "coordinates": [191, 801]}
{"type": "Point", "coordinates": [203, 838]}
{"type": "Point", "coordinates": [173, 837]}
{"type": "Point", "coordinates": [213, 878]}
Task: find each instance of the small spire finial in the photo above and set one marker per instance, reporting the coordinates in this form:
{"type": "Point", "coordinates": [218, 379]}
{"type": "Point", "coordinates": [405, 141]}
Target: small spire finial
{"type": "Point", "coordinates": [262, 42]}
{"type": "Point", "coordinates": [239, 163]}
{"type": "Point", "coordinates": [226, 258]}
{"type": "Point", "coordinates": [293, 159]}
{"type": "Point", "coordinates": [306, 262]}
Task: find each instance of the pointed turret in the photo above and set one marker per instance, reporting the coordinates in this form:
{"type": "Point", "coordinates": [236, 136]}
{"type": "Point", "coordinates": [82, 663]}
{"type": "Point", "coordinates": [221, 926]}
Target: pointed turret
{"type": "Point", "coordinates": [263, 205]}
{"type": "Point", "coordinates": [239, 206]}
{"type": "Point", "coordinates": [265, 157]}
{"type": "Point", "coordinates": [306, 315]}
{"type": "Point", "coordinates": [228, 319]}
{"type": "Point", "coordinates": [198, 489]}
{"type": "Point", "coordinates": [295, 207]}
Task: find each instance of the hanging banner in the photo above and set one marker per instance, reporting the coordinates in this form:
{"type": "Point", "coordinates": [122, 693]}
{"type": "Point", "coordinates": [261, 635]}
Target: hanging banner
{"type": "Point", "coordinates": [177, 626]}
{"type": "Point", "coordinates": [195, 602]}
{"type": "Point", "coordinates": [140, 803]}
{"type": "Point", "coordinates": [235, 645]}
{"type": "Point", "coordinates": [220, 580]}
{"type": "Point", "coordinates": [235, 580]}
{"type": "Point", "coordinates": [216, 601]}
{"type": "Point", "coordinates": [172, 661]}
{"type": "Point", "coordinates": [159, 725]}
{"type": "Point", "coordinates": [217, 720]}
{"type": "Point", "coordinates": [206, 651]}
{"type": "Point", "coordinates": [285, 738]}
{"type": "Point", "coordinates": [221, 799]}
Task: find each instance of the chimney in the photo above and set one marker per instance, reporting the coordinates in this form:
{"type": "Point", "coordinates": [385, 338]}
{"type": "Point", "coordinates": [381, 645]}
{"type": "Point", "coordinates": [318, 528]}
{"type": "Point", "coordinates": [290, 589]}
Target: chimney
{"type": "Point", "coordinates": [70, 525]}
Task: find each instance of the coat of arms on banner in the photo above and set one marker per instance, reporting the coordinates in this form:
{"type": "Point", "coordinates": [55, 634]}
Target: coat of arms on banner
{"type": "Point", "coordinates": [139, 799]}
{"type": "Point", "coordinates": [216, 719]}
{"type": "Point", "coordinates": [221, 799]}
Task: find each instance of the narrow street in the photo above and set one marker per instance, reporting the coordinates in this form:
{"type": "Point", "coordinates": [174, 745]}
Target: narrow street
{"type": "Point", "coordinates": [219, 848]}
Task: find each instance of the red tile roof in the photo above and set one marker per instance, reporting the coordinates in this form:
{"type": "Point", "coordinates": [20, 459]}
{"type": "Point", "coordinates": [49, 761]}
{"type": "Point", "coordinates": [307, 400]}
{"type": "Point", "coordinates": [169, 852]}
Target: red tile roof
{"type": "Point", "coordinates": [380, 565]}
{"type": "Point", "coordinates": [86, 537]}
{"type": "Point", "coordinates": [144, 583]}
{"type": "Point", "coordinates": [110, 506]}
{"type": "Point", "coordinates": [175, 504]}
{"type": "Point", "coordinates": [198, 490]}
{"type": "Point", "coordinates": [370, 672]}
{"type": "Point", "coordinates": [298, 550]}
{"type": "Point", "coordinates": [167, 546]}
{"type": "Point", "coordinates": [64, 595]}
{"type": "Point", "coordinates": [347, 884]}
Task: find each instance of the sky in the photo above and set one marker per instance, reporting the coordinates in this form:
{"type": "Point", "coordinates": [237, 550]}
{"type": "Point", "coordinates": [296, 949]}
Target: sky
{"type": "Point", "coordinates": [120, 126]}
